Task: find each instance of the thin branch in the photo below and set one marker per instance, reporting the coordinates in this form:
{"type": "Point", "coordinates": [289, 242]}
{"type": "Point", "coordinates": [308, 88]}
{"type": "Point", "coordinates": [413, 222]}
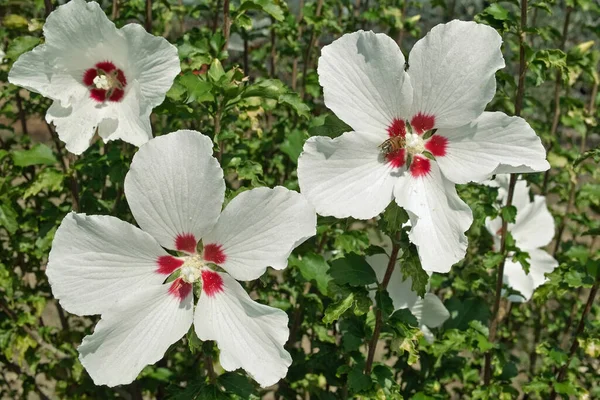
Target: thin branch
{"type": "Point", "coordinates": [22, 114]}
{"type": "Point", "coordinates": [217, 131]}
{"type": "Point", "coordinates": [246, 53]}
{"type": "Point", "coordinates": [575, 344]}
{"type": "Point", "coordinates": [273, 55]}
{"type": "Point", "coordinates": [64, 164]}
{"type": "Point", "coordinates": [297, 317]}
{"type": "Point", "coordinates": [300, 32]}
{"type": "Point", "coordinates": [34, 335]}
{"type": "Point", "coordinates": [557, 91]}
{"type": "Point", "coordinates": [210, 369]}
{"type": "Point", "coordinates": [48, 7]}
{"type": "Point", "coordinates": [226, 23]}
{"type": "Point", "coordinates": [403, 19]}
{"type": "Point", "coordinates": [115, 9]}
{"type": "Point", "coordinates": [148, 20]}
{"type": "Point", "coordinates": [379, 315]}
{"type": "Point", "coordinates": [307, 56]}
{"type": "Point", "coordinates": [496, 316]}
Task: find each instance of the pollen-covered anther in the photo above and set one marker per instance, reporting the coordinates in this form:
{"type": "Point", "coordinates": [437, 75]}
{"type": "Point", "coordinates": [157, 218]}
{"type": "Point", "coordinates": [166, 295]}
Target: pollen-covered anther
{"type": "Point", "coordinates": [105, 82]}
{"type": "Point", "coordinates": [191, 269]}
{"type": "Point", "coordinates": [102, 82]}
{"type": "Point", "coordinates": [414, 143]}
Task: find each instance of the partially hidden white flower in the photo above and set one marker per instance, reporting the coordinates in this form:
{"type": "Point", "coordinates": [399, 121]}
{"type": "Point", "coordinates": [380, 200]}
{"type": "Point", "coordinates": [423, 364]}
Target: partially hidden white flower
{"type": "Point", "coordinates": [100, 77]}
{"type": "Point", "coordinates": [175, 189]}
{"type": "Point", "coordinates": [431, 115]}
{"type": "Point", "coordinates": [429, 311]}
{"type": "Point", "coordinates": [533, 229]}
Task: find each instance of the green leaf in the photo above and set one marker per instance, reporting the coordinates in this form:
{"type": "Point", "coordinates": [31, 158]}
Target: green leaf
{"type": "Point", "coordinates": [358, 381]}
{"type": "Point", "coordinates": [49, 179]}
{"type": "Point", "coordinates": [328, 125]}
{"type": "Point", "coordinates": [384, 303]}
{"type": "Point", "coordinates": [271, 7]}
{"type": "Point", "coordinates": [14, 21]}
{"type": "Point", "coordinates": [294, 101]}
{"type": "Point", "coordinates": [243, 21]}
{"type": "Point", "coordinates": [21, 45]}
{"type": "Point", "coordinates": [268, 88]}
{"type": "Point", "coordinates": [237, 384]}
{"type": "Point", "coordinates": [211, 392]}
{"type": "Point", "coordinates": [276, 90]}
{"type": "Point", "coordinates": [566, 388]}
{"type": "Point", "coordinates": [497, 11]}
{"type": "Point", "coordinates": [392, 219]}
{"type": "Point", "coordinates": [492, 260]}
{"type": "Point", "coordinates": [197, 89]}
{"type": "Point", "coordinates": [335, 310]}
{"type": "Point", "coordinates": [353, 270]}
{"type": "Point", "coordinates": [292, 145]}
{"type": "Point", "coordinates": [313, 267]}
{"type": "Point", "coordinates": [194, 344]}
{"type": "Point", "coordinates": [509, 213]}
{"type": "Point", "coordinates": [249, 170]}
{"type": "Point", "coordinates": [411, 267]}
{"type": "Point", "coordinates": [8, 217]}
{"type": "Point", "coordinates": [40, 154]}
{"type": "Point", "coordinates": [216, 71]}
{"type": "Point", "coordinates": [464, 311]}
{"type": "Point", "coordinates": [410, 345]}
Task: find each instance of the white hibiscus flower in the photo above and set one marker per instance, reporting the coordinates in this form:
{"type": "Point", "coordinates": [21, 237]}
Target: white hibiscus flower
{"type": "Point", "coordinates": [175, 189]}
{"type": "Point", "coordinates": [429, 310]}
{"type": "Point", "coordinates": [100, 77]}
{"type": "Point", "coordinates": [415, 134]}
{"type": "Point", "coordinates": [533, 229]}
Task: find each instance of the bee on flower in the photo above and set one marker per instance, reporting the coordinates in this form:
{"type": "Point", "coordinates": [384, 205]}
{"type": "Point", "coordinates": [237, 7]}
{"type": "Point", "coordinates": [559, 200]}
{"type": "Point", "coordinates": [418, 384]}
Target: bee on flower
{"type": "Point", "coordinates": [416, 132]}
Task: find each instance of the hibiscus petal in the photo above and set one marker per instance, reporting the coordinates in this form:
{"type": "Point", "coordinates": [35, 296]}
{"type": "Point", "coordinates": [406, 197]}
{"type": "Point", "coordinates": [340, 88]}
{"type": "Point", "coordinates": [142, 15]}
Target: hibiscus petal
{"type": "Point", "coordinates": [249, 335]}
{"type": "Point", "coordinates": [154, 63]}
{"type": "Point", "coordinates": [452, 73]}
{"type": "Point", "coordinates": [135, 332]}
{"type": "Point", "coordinates": [438, 217]}
{"type": "Point", "coordinates": [430, 311]}
{"type": "Point", "coordinates": [346, 176]}
{"type": "Point", "coordinates": [175, 189]}
{"type": "Point", "coordinates": [35, 71]}
{"type": "Point", "coordinates": [364, 82]}
{"type": "Point", "coordinates": [76, 124]}
{"type": "Point", "coordinates": [516, 278]}
{"type": "Point", "coordinates": [125, 121]}
{"type": "Point", "coordinates": [96, 260]}
{"type": "Point", "coordinates": [400, 290]}
{"type": "Point", "coordinates": [77, 28]}
{"type": "Point", "coordinates": [494, 227]}
{"type": "Point", "coordinates": [540, 263]}
{"type": "Point", "coordinates": [259, 228]}
{"type": "Point", "coordinates": [476, 151]}
{"type": "Point", "coordinates": [534, 225]}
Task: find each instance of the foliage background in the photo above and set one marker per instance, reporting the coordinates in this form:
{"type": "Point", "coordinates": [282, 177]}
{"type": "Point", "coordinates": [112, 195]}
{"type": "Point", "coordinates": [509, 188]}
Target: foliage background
{"type": "Point", "coordinates": [253, 88]}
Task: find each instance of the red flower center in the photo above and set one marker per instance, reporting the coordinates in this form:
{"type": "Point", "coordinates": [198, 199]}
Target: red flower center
{"type": "Point", "coordinates": [105, 82]}
{"type": "Point", "coordinates": [403, 145]}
